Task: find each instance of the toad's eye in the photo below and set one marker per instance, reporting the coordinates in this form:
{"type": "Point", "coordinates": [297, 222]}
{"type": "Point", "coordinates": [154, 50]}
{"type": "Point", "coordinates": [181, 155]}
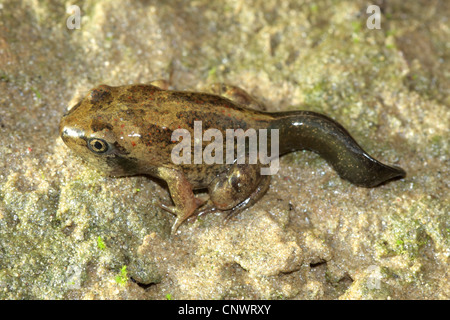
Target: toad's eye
{"type": "Point", "coordinates": [97, 145]}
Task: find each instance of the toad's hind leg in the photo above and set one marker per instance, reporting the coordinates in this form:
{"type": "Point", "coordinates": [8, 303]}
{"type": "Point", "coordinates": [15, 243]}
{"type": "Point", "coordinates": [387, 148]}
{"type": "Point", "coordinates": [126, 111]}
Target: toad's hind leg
{"type": "Point", "coordinates": [237, 189]}
{"type": "Point", "coordinates": [260, 190]}
{"type": "Point", "coordinates": [236, 94]}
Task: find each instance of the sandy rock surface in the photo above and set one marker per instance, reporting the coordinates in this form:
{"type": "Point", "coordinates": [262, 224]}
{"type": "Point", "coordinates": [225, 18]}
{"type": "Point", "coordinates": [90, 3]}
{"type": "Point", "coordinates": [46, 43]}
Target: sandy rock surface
{"type": "Point", "coordinates": [68, 232]}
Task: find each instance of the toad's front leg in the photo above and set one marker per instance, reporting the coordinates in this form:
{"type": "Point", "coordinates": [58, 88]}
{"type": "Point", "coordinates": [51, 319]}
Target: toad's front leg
{"type": "Point", "coordinates": [181, 191]}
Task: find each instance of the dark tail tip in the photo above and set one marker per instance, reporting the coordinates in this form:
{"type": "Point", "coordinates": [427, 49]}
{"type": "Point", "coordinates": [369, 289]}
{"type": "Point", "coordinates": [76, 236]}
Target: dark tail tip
{"type": "Point", "coordinates": [381, 173]}
{"type": "Point", "coordinates": [391, 173]}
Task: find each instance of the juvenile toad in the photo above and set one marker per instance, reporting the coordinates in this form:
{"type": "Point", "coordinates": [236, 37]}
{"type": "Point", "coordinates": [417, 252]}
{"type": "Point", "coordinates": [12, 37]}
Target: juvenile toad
{"type": "Point", "coordinates": [127, 130]}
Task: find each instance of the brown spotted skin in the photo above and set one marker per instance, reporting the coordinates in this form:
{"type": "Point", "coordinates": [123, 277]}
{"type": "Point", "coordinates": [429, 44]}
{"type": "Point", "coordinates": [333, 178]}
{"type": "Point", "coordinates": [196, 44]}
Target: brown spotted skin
{"type": "Point", "coordinates": [127, 130]}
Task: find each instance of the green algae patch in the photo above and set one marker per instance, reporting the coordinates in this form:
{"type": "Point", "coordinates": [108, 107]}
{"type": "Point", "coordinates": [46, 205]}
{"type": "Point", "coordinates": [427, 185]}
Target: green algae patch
{"type": "Point", "coordinates": [122, 278]}
{"type": "Point", "coordinates": [424, 223]}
